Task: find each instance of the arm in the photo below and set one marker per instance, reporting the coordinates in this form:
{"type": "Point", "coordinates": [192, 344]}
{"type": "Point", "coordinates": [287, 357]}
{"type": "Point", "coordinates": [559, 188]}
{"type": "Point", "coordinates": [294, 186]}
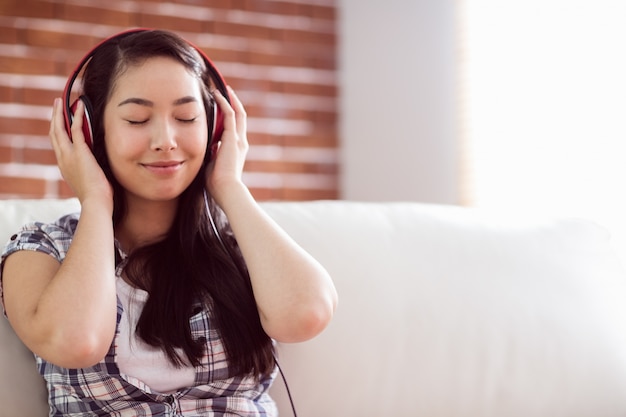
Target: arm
{"type": "Point", "coordinates": [66, 313]}
{"type": "Point", "coordinates": [295, 295]}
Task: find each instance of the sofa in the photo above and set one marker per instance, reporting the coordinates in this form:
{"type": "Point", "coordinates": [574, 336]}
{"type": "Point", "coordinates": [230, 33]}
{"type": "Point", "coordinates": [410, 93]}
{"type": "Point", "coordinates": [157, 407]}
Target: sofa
{"type": "Point", "coordinates": [444, 311]}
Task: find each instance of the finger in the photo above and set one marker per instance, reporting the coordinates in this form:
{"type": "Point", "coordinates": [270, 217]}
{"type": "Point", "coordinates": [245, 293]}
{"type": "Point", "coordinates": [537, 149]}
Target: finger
{"type": "Point", "coordinates": [235, 102]}
{"type": "Point", "coordinates": [234, 119]}
{"type": "Point", "coordinates": [229, 117]}
{"type": "Point", "coordinates": [240, 111]}
{"type": "Point", "coordinates": [224, 107]}
{"type": "Point", "coordinates": [77, 123]}
{"type": "Point", "coordinates": [58, 134]}
{"type": "Point", "coordinates": [53, 118]}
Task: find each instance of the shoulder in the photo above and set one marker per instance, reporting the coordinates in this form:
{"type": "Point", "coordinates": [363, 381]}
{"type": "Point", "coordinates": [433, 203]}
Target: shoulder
{"type": "Point", "coordinates": [53, 238]}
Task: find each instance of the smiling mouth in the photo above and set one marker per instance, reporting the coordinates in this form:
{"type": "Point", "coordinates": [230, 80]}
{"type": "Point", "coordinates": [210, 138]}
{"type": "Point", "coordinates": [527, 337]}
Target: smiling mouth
{"type": "Point", "coordinates": [165, 167]}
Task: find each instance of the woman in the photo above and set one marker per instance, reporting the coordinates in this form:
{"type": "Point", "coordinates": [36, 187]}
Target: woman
{"type": "Point", "coordinates": [163, 297]}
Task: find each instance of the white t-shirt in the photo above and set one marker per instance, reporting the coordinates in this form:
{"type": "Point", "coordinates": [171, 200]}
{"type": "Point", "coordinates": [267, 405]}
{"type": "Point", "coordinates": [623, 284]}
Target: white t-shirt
{"type": "Point", "coordinates": [139, 361]}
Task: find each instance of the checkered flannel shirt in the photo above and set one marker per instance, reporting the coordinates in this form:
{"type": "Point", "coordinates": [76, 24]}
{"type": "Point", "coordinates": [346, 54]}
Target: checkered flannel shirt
{"type": "Point", "coordinates": [102, 390]}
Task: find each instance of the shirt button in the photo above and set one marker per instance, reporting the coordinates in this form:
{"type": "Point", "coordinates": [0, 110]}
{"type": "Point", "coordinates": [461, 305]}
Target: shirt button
{"type": "Point", "coordinates": [169, 399]}
{"type": "Point", "coordinates": [14, 237]}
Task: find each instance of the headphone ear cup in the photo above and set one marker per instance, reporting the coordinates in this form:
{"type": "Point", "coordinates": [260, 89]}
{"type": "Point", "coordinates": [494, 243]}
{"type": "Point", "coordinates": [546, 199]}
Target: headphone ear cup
{"type": "Point", "coordinates": [87, 128]}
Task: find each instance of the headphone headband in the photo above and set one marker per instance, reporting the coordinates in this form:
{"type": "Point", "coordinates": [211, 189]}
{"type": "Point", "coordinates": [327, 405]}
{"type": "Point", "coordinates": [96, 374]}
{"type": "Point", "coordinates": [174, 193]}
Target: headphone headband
{"type": "Point", "coordinates": [69, 108]}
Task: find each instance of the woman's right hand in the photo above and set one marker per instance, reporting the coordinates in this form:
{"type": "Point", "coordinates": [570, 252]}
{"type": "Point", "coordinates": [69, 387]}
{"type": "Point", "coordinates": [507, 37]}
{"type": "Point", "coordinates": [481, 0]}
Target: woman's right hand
{"type": "Point", "coordinates": [76, 162]}
{"type": "Point", "coordinates": [65, 311]}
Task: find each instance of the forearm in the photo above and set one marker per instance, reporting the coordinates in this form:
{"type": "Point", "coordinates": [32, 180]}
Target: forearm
{"type": "Point", "coordinates": [294, 293]}
{"type": "Point", "coordinates": [72, 321]}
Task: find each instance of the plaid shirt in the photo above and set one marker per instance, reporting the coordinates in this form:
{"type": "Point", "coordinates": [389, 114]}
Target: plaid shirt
{"type": "Point", "coordinates": [102, 390]}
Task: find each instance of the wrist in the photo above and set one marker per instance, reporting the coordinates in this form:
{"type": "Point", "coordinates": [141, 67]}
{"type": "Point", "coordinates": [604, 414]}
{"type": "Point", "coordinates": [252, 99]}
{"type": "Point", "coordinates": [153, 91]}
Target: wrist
{"type": "Point", "coordinates": [97, 204]}
{"type": "Point", "coordinates": [230, 195]}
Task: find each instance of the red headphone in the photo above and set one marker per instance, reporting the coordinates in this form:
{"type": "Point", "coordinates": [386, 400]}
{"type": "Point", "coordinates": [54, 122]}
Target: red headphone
{"type": "Point", "coordinates": [215, 131]}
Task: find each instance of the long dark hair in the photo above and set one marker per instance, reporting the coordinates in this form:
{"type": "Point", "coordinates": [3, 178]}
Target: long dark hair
{"type": "Point", "coordinates": [189, 267]}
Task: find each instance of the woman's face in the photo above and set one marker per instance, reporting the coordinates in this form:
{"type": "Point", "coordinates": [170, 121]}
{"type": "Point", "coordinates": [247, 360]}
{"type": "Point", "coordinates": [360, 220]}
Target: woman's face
{"type": "Point", "coordinates": [155, 129]}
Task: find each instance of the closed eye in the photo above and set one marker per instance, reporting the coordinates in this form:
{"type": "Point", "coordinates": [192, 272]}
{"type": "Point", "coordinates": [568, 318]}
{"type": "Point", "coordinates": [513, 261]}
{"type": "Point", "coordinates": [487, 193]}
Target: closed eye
{"type": "Point", "coordinates": [187, 120]}
{"type": "Point", "coordinates": [137, 122]}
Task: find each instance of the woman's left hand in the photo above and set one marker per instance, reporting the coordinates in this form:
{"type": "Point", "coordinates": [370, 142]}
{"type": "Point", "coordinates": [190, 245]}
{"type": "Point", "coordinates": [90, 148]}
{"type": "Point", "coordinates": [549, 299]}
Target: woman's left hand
{"type": "Point", "coordinates": [294, 294]}
{"type": "Point", "coordinates": [225, 170]}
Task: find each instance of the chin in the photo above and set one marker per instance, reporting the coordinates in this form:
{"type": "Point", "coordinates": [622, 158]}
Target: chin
{"type": "Point", "coordinates": [155, 195]}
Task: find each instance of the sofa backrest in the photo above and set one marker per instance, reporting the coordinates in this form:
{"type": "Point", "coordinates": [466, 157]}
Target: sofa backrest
{"type": "Point", "coordinates": [455, 312]}
{"type": "Point", "coordinates": [22, 391]}
{"type": "Point", "coordinates": [443, 312]}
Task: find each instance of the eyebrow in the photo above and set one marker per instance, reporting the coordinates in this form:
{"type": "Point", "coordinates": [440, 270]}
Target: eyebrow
{"type": "Point", "coordinates": [148, 103]}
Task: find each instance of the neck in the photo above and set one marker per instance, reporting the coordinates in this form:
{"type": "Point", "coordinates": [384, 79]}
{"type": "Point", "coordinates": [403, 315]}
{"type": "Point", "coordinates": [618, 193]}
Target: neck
{"type": "Point", "coordinates": [145, 222]}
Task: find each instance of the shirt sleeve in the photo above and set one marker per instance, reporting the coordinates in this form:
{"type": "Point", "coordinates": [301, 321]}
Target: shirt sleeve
{"type": "Point", "coordinates": [50, 238]}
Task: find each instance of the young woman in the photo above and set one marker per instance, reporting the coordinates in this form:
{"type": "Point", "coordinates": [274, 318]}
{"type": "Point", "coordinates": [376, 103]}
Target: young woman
{"type": "Point", "coordinates": [164, 295]}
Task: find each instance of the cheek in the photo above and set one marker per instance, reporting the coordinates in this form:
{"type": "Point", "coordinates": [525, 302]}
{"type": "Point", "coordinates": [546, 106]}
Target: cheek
{"type": "Point", "coordinates": [198, 141]}
{"type": "Point", "coordinates": [200, 147]}
{"type": "Point", "coordinates": [122, 151]}
{"type": "Point", "coordinates": [123, 144]}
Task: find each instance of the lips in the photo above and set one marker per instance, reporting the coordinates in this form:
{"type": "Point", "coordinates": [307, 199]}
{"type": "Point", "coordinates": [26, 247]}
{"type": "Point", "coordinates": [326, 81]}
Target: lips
{"type": "Point", "coordinates": [163, 167]}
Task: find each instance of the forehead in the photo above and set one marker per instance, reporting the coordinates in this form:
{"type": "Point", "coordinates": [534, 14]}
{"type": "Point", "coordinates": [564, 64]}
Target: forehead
{"type": "Point", "coordinates": [156, 76]}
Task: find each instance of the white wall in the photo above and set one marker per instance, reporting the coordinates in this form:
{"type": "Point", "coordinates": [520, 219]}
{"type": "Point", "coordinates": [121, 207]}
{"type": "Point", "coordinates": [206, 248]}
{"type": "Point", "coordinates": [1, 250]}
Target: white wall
{"type": "Point", "coordinates": [398, 117]}
{"type": "Point", "coordinates": [546, 108]}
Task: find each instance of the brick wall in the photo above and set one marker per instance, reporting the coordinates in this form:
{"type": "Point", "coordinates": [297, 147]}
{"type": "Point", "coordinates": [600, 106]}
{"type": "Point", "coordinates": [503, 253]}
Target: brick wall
{"type": "Point", "coordinates": [279, 55]}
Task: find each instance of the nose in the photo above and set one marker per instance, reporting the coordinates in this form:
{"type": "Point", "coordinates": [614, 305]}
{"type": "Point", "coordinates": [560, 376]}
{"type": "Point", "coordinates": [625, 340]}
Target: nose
{"type": "Point", "coordinates": [163, 137]}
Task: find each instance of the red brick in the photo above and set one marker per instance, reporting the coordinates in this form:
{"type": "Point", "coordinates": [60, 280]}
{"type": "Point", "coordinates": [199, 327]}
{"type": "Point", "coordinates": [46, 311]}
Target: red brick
{"type": "Point", "coordinates": [226, 55]}
{"type": "Point", "coordinates": [19, 65]}
{"type": "Point", "coordinates": [38, 156]}
{"type": "Point", "coordinates": [6, 154]}
{"type": "Point", "coordinates": [34, 36]}
{"type": "Point", "coordinates": [324, 118]}
{"type": "Point", "coordinates": [39, 97]}
{"type": "Point", "coordinates": [260, 58]}
{"type": "Point", "coordinates": [259, 110]}
{"type": "Point", "coordinates": [240, 4]}
{"type": "Point", "coordinates": [7, 94]}
{"type": "Point", "coordinates": [8, 35]}
{"type": "Point", "coordinates": [31, 8]}
{"type": "Point", "coordinates": [324, 12]}
{"type": "Point", "coordinates": [264, 139]}
{"type": "Point", "coordinates": [26, 187]}
{"type": "Point", "coordinates": [24, 126]}
{"type": "Point", "coordinates": [317, 140]}
{"type": "Point", "coordinates": [169, 23]}
{"type": "Point", "coordinates": [296, 194]}
{"type": "Point", "coordinates": [93, 14]}
{"type": "Point", "coordinates": [265, 194]}
{"type": "Point", "coordinates": [288, 167]}
{"type": "Point", "coordinates": [307, 89]}
{"type": "Point", "coordinates": [319, 38]}
{"type": "Point", "coordinates": [64, 190]}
